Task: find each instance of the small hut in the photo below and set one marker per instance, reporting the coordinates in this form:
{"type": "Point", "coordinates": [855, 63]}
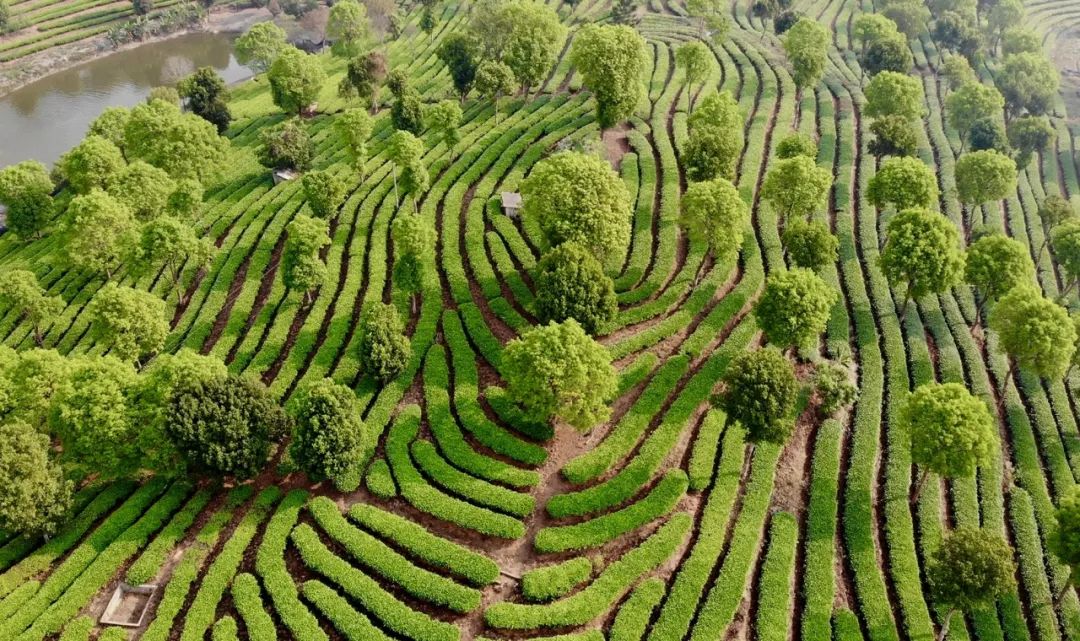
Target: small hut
{"type": "Point", "coordinates": [282, 175]}
{"type": "Point", "coordinates": [511, 204]}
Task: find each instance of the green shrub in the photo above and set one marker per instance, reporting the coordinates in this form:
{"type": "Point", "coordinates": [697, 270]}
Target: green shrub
{"type": "Point", "coordinates": [552, 581]}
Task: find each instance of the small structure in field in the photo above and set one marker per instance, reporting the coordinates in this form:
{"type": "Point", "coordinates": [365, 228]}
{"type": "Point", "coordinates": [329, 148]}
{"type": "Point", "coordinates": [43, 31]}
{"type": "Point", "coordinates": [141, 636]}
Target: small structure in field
{"type": "Point", "coordinates": [128, 605]}
{"type": "Point", "coordinates": [511, 204]}
{"type": "Point", "coordinates": [310, 110]}
{"type": "Point", "coordinates": [282, 175]}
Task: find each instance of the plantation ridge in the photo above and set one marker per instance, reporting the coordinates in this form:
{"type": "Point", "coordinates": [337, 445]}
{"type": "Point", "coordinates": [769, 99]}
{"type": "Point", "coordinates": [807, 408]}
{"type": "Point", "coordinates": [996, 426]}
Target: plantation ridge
{"type": "Point", "coordinates": [593, 320]}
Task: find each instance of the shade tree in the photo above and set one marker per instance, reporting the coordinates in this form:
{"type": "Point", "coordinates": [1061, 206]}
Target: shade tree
{"type": "Point", "coordinates": [414, 242]}
{"type": "Point", "coordinates": [324, 192]}
{"type": "Point", "coordinates": [715, 212]}
{"type": "Point", "coordinates": [983, 176]}
{"type": "Point", "coordinates": [328, 436]}
{"type": "Point", "coordinates": [347, 28]}
{"type": "Point", "coordinates": [970, 570]}
{"type": "Point", "coordinates": [796, 187]}
{"type": "Point", "coordinates": [225, 426]}
{"type": "Point", "coordinates": [534, 41]}
{"type": "Point", "coordinates": [994, 264]}
{"type": "Point", "coordinates": [794, 307]}
{"type": "Point", "coordinates": [26, 191]}
{"type": "Point", "coordinates": [910, 16]}
{"type": "Point", "coordinates": [1020, 39]}
{"type": "Point", "coordinates": [296, 78]}
{"type": "Point", "coordinates": [1034, 332]}
{"type": "Point", "coordinates": [286, 146]}
{"type": "Point", "coordinates": [302, 266]}
{"type": "Point", "coordinates": [893, 136]}
{"type": "Point", "coordinates": [144, 188]}
{"type": "Point", "coordinates": [30, 380]}
{"type": "Point", "coordinates": [384, 348]}
{"type": "Point", "coordinates": [129, 322]}
{"type": "Point", "coordinates": [183, 144]}
{"type": "Point", "coordinates": [578, 197]}
{"type": "Point", "coordinates": [364, 76]}
{"type": "Point", "coordinates": [952, 432]}
{"type": "Point", "coordinates": [557, 372]}
{"type": "Point", "coordinates": [868, 28]}
{"type": "Point", "coordinates": [716, 138]}
{"type": "Point", "coordinates": [460, 52]}
{"type": "Point", "coordinates": [406, 152]}
{"type": "Point", "coordinates": [922, 254]}
{"type": "Point", "coordinates": [94, 163]}
{"type": "Point", "coordinates": [171, 244]}
{"type": "Point", "coordinates": [1064, 539]}
{"type": "Point", "coordinates": [354, 126]}
{"type": "Point", "coordinates": [493, 81]}
{"type": "Point", "coordinates": [444, 120]}
{"type": "Point", "coordinates": [1029, 135]}
{"type": "Point", "coordinates": [34, 495]}
{"type": "Point", "coordinates": [797, 144]}
{"type": "Point", "coordinates": [957, 33]}
{"type": "Point", "coordinates": [894, 94]}
{"type": "Point", "coordinates": [571, 283]}
{"type": "Point", "coordinates": [888, 54]}
{"type": "Point", "coordinates": [1029, 82]}
{"type": "Point", "coordinates": [695, 60]}
{"type": "Point", "coordinates": [99, 232]}
{"type": "Point", "coordinates": [260, 45]}
{"type": "Point", "coordinates": [970, 103]}
{"type": "Point", "coordinates": [759, 392]}
{"type": "Point", "coordinates": [612, 60]}
{"type": "Point", "coordinates": [903, 183]}
{"type": "Point", "coordinates": [989, 133]}
{"type": "Point", "coordinates": [807, 45]}
{"type": "Point", "coordinates": [810, 244]}
{"type": "Point", "coordinates": [20, 292]}
{"type": "Point", "coordinates": [957, 71]}
{"type": "Point", "coordinates": [206, 96]}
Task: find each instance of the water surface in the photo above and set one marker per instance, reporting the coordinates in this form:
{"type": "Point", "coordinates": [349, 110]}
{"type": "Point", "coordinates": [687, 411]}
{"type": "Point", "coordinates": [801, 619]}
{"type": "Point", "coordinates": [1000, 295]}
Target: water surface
{"type": "Point", "coordinates": [49, 116]}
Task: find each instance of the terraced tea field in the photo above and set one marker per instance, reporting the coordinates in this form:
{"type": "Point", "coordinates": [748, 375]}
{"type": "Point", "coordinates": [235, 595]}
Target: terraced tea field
{"type": "Point", "coordinates": [659, 525]}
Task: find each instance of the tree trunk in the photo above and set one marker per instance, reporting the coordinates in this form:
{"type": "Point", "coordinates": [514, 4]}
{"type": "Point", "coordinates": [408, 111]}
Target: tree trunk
{"type": "Point", "coordinates": [945, 624]}
{"type": "Point", "coordinates": [39, 339]}
{"type": "Point", "coordinates": [1064, 590]}
{"type": "Point", "coordinates": [924, 474]}
{"type": "Point", "coordinates": [1005, 385]}
{"type": "Point", "coordinates": [413, 302]}
{"type": "Point", "coordinates": [907, 299]}
{"type": "Point", "coordinates": [397, 201]}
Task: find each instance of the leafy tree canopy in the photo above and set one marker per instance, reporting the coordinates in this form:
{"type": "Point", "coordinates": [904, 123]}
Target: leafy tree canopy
{"type": "Point", "coordinates": [695, 59]}
{"type": "Point", "coordinates": [354, 125]}
{"type": "Point", "coordinates": [182, 144]}
{"type": "Point", "coordinates": [888, 54]}
{"type": "Point", "coordinates": [971, 569]}
{"type": "Point", "coordinates": [760, 391]}
{"type": "Point", "coordinates": [612, 60]}
{"type": "Point", "coordinates": [20, 291]}
{"type": "Point", "coordinates": [1029, 82]}
{"type": "Point", "coordinates": [922, 253]}
{"type": "Point", "coordinates": [556, 372]}
{"type": "Point", "coordinates": [26, 191]}
{"type": "Point", "coordinates": [807, 47]}
{"type": "Point", "coordinates": [996, 263]}
{"type": "Point", "coordinates": [144, 188]}
{"type": "Point", "coordinates": [894, 94]}
{"type": "Point", "coordinates": [130, 322]}
{"type": "Point", "coordinates": [893, 136]}
{"type": "Point", "coordinates": [347, 28]}
{"type": "Point", "coordinates": [460, 52]}
{"type": "Point", "coordinates": [92, 164]}
{"type": "Point", "coordinates": [327, 434]}
{"type": "Point", "coordinates": [384, 348]}
{"type": "Point", "coordinates": [578, 197]}
{"type": "Point", "coordinates": [1029, 134]}
{"type": "Point", "coordinates": [797, 144]}
{"type": "Point", "coordinates": [972, 102]}
{"type": "Point", "coordinates": [296, 78]}
{"type": "Point", "coordinates": [983, 176]}
{"type": "Point", "coordinates": [796, 186]}
{"type": "Point", "coordinates": [1035, 331]}
{"type": "Point", "coordinates": [34, 497]}
{"type": "Point", "coordinates": [795, 307]}
{"type": "Point", "coordinates": [571, 283]}
{"type": "Point", "coordinates": [100, 230]}
{"type": "Point", "coordinates": [260, 45]}
{"type": "Point", "coordinates": [714, 211]}
{"type": "Point", "coordinates": [952, 431]}
{"type": "Point", "coordinates": [903, 183]}
{"type": "Point", "coordinates": [324, 192]}
{"type": "Point", "coordinates": [810, 244]}
{"type": "Point", "coordinates": [287, 146]}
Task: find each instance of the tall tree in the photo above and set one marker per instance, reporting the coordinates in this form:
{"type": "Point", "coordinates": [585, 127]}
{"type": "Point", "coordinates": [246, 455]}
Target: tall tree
{"type": "Point", "coordinates": [286, 146]}
{"type": "Point", "coordinates": [983, 176]}
{"type": "Point", "coordinates": [1035, 332]}
{"type": "Point", "coordinates": [716, 213]}
{"type": "Point", "coordinates": [971, 103]}
{"type": "Point", "coordinates": [695, 59]}
{"type": "Point", "coordinates": [225, 426]}
{"type": "Point", "coordinates": [414, 242]}
{"type": "Point", "coordinates": [1029, 82]}
{"type": "Point", "coordinates": [868, 28]}
{"type": "Point", "coordinates": [807, 46]}
{"type": "Point", "coordinates": [296, 78]}
{"type": "Point", "coordinates": [922, 254]}
{"type": "Point", "coordinates": [534, 42]}
{"type": "Point", "coordinates": [92, 164]}
{"type": "Point", "coordinates": [444, 119]}
{"type": "Point", "coordinates": [100, 231]}
{"type": "Point", "coordinates": [1065, 240]}
{"type": "Point", "coordinates": [384, 347]}
{"type": "Point", "coordinates": [995, 264]}
{"type": "Point", "coordinates": [20, 291]}
{"type": "Point", "coordinates": [34, 497]}
{"type": "Point", "coordinates": [364, 76]}
{"type": "Point", "coordinates": [327, 433]}
{"type": "Point", "coordinates": [260, 45]}
{"type": "Point", "coordinates": [302, 267]}
{"type": "Point", "coordinates": [182, 144]}
{"type": "Point", "coordinates": [144, 188]}
{"type": "Point", "coordinates": [206, 97]}
{"type": "Point", "coordinates": [407, 111]}
{"type": "Point", "coordinates": [130, 322]}
{"type": "Point", "coordinates": [571, 283]}
{"type": "Point", "coordinates": [493, 81]}
{"type": "Point", "coordinates": [578, 197]}
{"type": "Point", "coordinates": [903, 183]}
{"type": "Point", "coordinates": [556, 372]}
{"type": "Point", "coordinates": [26, 191]}
{"type": "Point", "coordinates": [795, 307]}
{"type": "Point", "coordinates": [796, 187]}
{"type": "Point", "coordinates": [1029, 135]}
{"type": "Point", "coordinates": [1064, 539]}
{"type": "Point", "coordinates": [347, 28]}
{"type": "Point", "coordinates": [716, 138]}
{"type": "Point", "coordinates": [910, 16]}
{"type": "Point", "coordinates": [894, 94]}
{"type": "Point", "coordinates": [970, 570]}
{"type": "Point", "coordinates": [611, 60]}
{"type": "Point", "coordinates": [810, 244]}
{"type": "Point", "coordinates": [110, 125]}
{"type": "Point", "coordinates": [406, 151]}
{"type": "Point", "coordinates": [460, 52]}
{"type": "Point", "coordinates": [171, 244]}
{"type": "Point", "coordinates": [797, 144]}
{"type": "Point", "coordinates": [354, 125]}
{"type": "Point", "coordinates": [324, 192]}
{"type": "Point", "coordinates": [759, 392]}
{"type": "Point", "coordinates": [893, 136]}
{"type": "Point", "coordinates": [952, 432]}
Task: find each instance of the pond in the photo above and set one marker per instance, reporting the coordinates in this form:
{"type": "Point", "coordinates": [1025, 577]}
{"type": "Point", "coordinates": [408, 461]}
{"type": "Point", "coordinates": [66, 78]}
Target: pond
{"type": "Point", "coordinates": [49, 116]}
